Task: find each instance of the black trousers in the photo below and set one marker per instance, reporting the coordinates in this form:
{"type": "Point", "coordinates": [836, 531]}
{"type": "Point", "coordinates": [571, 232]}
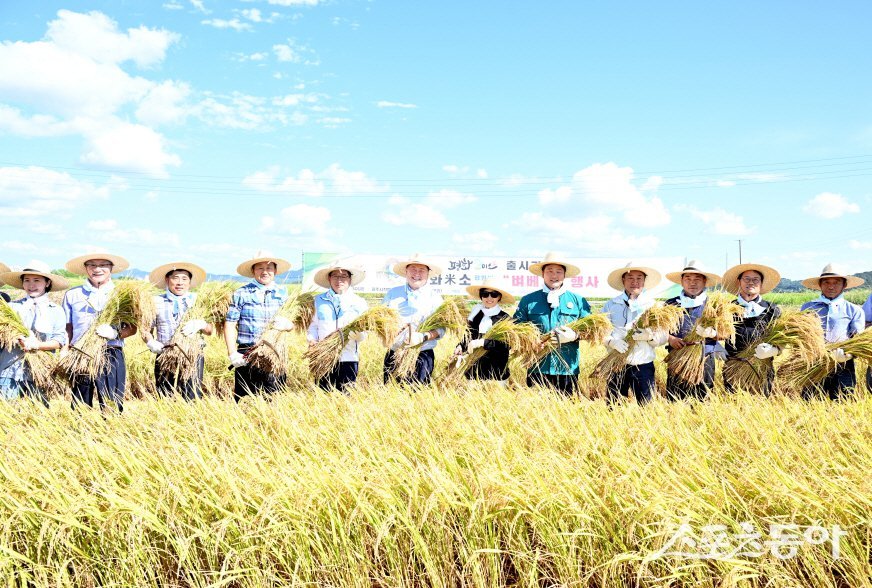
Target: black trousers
{"type": "Point", "coordinates": [107, 386]}
{"type": "Point", "coordinates": [423, 367]}
{"type": "Point", "coordinates": [677, 389]}
{"type": "Point", "coordinates": [638, 378]}
{"type": "Point", "coordinates": [168, 383]}
{"type": "Point", "coordinates": [837, 385]}
{"type": "Point", "coordinates": [565, 385]}
{"type": "Point", "coordinates": [342, 375]}
{"type": "Point", "coordinates": [248, 380]}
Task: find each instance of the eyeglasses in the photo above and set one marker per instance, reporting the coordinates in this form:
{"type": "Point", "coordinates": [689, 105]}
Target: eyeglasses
{"type": "Point", "coordinates": [489, 294]}
{"type": "Point", "coordinates": [99, 265]}
{"type": "Point", "coordinates": [751, 281]}
{"type": "Point", "coordinates": [341, 276]}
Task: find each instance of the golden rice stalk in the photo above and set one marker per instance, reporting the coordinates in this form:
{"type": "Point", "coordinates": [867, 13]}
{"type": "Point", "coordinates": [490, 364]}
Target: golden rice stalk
{"type": "Point", "coordinates": [523, 340]}
{"type": "Point", "coordinates": [800, 332]}
{"type": "Point", "coordinates": [131, 303]}
{"type": "Point", "coordinates": [181, 355]}
{"type": "Point", "coordinates": [323, 355]}
{"type": "Point", "coordinates": [802, 375]}
{"type": "Point", "coordinates": [451, 315]}
{"type": "Point", "coordinates": [660, 317]}
{"type": "Point", "coordinates": [271, 352]}
{"type": "Point", "coordinates": [40, 363]}
{"type": "Point", "coordinates": [593, 328]}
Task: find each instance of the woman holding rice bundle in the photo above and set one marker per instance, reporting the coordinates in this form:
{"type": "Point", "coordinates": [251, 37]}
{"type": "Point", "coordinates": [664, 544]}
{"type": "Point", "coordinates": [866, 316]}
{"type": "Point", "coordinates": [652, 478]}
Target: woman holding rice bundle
{"type": "Point", "coordinates": [494, 364]}
{"type": "Point", "coordinates": [840, 320]}
{"type": "Point", "coordinates": [624, 311]}
{"type": "Point", "coordinates": [177, 279]}
{"type": "Point", "coordinates": [693, 281]}
{"type": "Point", "coordinates": [749, 281]}
{"type": "Point", "coordinates": [550, 309]}
{"type": "Point", "coordinates": [415, 301]}
{"type": "Point", "coordinates": [251, 310]}
{"type": "Point", "coordinates": [81, 305]}
{"type": "Point", "coordinates": [334, 310]}
{"type": "Point", "coordinates": [45, 320]}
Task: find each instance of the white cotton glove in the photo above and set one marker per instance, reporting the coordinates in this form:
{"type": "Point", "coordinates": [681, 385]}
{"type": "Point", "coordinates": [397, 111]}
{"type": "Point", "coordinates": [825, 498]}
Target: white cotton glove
{"type": "Point", "coordinates": [765, 351]}
{"type": "Point", "coordinates": [644, 335]}
{"type": "Point", "coordinates": [475, 344]}
{"type": "Point", "coordinates": [154, 346]}
{"type": "Point", "coordinates": [281, 323]}
{"type": "Point", "coordinates": [30, 343]}
{"type": "Point", "coordinates": [400, 340]}
{"type": "Point", "coordinates": [357, 336]}
{"type": "Point", "coordinates": [563, 335]}
{"type": "Point", "coordinates": [237, 360]}
{"type": "Point", "coordinates": [706, 332]}
{"type": "Point", "coordinates": [416, 339]}
{"type": "Point", "coordinates": [193, 327]}
{"type": "Point", "coordinates": [618, 345]}
{"type": "Point", "coordinates": [106, 331]}
{"type": "Point", "coordinates": [840, 356]}
{"type": "Point", "coordinates": [344, 321]}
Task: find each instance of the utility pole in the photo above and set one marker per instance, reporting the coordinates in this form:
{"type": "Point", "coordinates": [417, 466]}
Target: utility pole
{"type": "Point", "coordinates": [740, 251]}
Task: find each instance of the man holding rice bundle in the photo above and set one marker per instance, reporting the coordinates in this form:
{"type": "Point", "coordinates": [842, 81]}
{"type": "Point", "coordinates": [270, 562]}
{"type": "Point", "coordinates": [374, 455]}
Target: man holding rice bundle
{"type": "Point", "coordinates": [251, 310]}
{"type": "Point", "coordinates": [81, 305]}
{"type": "Point", "coordinates": [624, 311]}
{"type": "Point", "coordinates": [693, 281]}
{"type": "Point", "coordinates": [550, 309]}
{"type": "Point", "coordinates": [172, 304]}
{"type": "Point", "coordinates": [45, 321]}
{"type": "Point", "coordinates": [749, 281]}
{"type": "Point", "coordinates": [334, 310]}
{"type": "Point", "coordinates": [840, 320]}
{"type": "Point", "coordinates": [415, 301]}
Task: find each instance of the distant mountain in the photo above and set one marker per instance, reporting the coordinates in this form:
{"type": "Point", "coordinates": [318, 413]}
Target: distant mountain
{"type": "Point", "coordinates": [786, 285]}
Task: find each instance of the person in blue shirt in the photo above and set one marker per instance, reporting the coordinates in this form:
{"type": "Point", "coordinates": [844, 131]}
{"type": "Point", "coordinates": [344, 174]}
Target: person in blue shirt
{"type": "Point", "coordinates": [550, 309]}
{"type": "Point", "coordinates": [45, 321]}
{"type": "Point", "coordinates": [840, 320]}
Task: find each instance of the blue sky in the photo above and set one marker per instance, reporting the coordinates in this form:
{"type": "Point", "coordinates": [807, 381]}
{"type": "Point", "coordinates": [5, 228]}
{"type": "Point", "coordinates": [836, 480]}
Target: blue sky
{"type": "Point", "coordinates": [206, 130]}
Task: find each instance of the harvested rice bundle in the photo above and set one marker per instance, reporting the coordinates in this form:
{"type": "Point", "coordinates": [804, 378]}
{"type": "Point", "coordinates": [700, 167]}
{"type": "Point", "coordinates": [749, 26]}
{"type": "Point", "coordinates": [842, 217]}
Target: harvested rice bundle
{"type": "Point", "coordinates": [451, 315]}
{"type": "Point", "coordinates": [524, 341]}
{"type": "Point", "coordinates": [325, 354]}
{"type": "Point", "coordinates": [271, 352]}
{"type": "Point", "coordinates": [40, 363]}
{"type": "Point", "coordinates": [593, 328]}
{"type": "Point", "coordinates": [660, 317]}
{"type": "Point", "coordinates": [719, 313]}
{"type": "Point", "coordinates": [800, 332]}
{"type": "Point", "coordinates": [802, 375]}
{"type": "Point", "coordinates": [181, 355]}
{"type": "Point", "coordinates": [130, 303]}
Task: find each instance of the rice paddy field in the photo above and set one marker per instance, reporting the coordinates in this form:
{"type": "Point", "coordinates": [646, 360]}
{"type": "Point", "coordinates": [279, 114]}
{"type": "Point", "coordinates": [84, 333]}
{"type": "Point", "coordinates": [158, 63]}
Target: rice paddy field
{"type": "Point", "coordinates": [445, 485]}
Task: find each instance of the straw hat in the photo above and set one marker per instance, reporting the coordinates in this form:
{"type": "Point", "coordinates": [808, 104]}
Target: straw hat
{"type": "Point", "coordinates": [694, 267]}
{"type": "Point", "coordinates": [322, 276]}
{"type": "Point", "coordinates": [244, 268]}
{"type": "Point", "coordinates": [771, 277]}
{"type": "Point", "coordinates": [616, 281]}
{"type": "Point", "coordinates": [489, 284]}
{"type": "Point", "coordinates": [557, 259]}
{"type": "Point", "coordinates": [34, 268]}
{"type": "Point", "coordinates": [158, 274]}
{"type": "Point", "coordinates": [416, 258]}
{"type": "Point", "coordinates": [831, 271]}
{"type": "Point", "coordinates": [4, 268]}
{"type": "Point", "coordinates": [77, 264]}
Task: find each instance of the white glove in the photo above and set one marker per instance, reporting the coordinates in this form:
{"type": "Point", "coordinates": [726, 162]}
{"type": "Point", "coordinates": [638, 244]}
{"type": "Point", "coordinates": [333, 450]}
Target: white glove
{"type": "Point", "coordinates": [645, 334]}
{"type": "Point", "coordinates": [281, 323]}
{"type": "Point", "coordinates": [154, 346]}
{"type": "Point", "coordinates": [765, 351]}
{"type": "Point", "coordinates": [706, 332]}
{"type": "Point", "coordinates": [416, 339]}
{"type": "Point", "coordinates": [237, 360]}
{"type": "Point", "coordinates": [618, 345]}
{"type": "Point", "coordinates": [357, 336]}
{"type": "Point", "coordinates": [564, 335]}
{"type": "Point", "coordinates": [475, 344]}
{"type": "Point", "coordinates": [193, 327]}
{"type": "Point", "coordinates": [30, 343]}
{"type": "Point", "coordinates": [840, 356]}
{"type": "Point", "coordinates": [106, 331]}
{"type": "Point", "coordinates": [400, 340]}
{"type": "Point", "coordinates": [344, 321]}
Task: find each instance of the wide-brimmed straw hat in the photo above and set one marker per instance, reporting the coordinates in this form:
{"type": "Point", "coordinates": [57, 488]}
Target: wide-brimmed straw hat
{"type": "Point", "coordinates": [616, 277]}
{"type": "Point", "coordinates": [489, 284]}
{"type": "Point", "coordinates": [322, 276]}
{"type": "Point", "coordinates": [831, 271]}
{"type": "Point", "coordinates": [694, 267]}
{"type": "Point", "coordinates": [158, 274]}
{"type": "Point", "coordinates": [245, 268]}
{"type": "Point", "coordinates": [77, 264]}
{"type": "Point", "coordinates": [416, 258]}
{"type": "Point", "coordinates": [4, 267]}
{"type": "Point", "coordinates": [555, 258]}
{"type": "Point", "coordinates": [34, 268]}
{"type": "Point", "coordinates": [771, 277]}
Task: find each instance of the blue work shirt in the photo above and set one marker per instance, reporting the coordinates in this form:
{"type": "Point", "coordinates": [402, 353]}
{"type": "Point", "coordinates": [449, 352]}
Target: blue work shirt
{"type": "Point", "coordinates": [81, 305]}
{"type": "Point", "coordinates": [414, 307]}
{"type": "Point", "coordinates": [840, 319]}
{"type": "Point", "coordinates": [534, 308]}
{"type": "Point", "coordinates": [252, 307]}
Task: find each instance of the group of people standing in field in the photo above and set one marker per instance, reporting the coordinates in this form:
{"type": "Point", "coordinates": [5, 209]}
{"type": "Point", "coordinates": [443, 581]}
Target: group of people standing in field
{"type": "Point", "coordinates": [52, 326]}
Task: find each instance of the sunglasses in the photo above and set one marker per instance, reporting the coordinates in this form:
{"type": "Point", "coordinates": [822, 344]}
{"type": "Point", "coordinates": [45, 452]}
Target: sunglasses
{"type": "Point", "coordinates": [489, 294]}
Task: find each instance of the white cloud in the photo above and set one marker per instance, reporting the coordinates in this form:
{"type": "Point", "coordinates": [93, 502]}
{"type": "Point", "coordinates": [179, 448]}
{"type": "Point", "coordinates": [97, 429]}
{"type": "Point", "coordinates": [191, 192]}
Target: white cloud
{"type": "Point", "coordinates": [350, 182]}
{"type": "Point", "coordinates": [251, 57]}
{"type": "Point", "coordinates": [286, 53]}
{"type": "Point", "coordinates": [254, 15]}
{"type": "Point", "coordinates": [293, 52]}
{"type": "Point", "coordinates": [725, 183]}
{"type": "Point", "coordinates": [332, 122]}
{"type": "Point", "coordinates": [449, 198]}
{"type": "Point", "coordinates": [308, 183]}
{"type": "Point", "coordinates": [110, 231]}
{"type": "Point", "coordinates": [721, 221]}
{"type": "Point", "coordinates": [295, 99]}
{"type": "Point", "coordinates": [164, 104]}
{"type": "Point", "coordinates": [610, 188]}
{"type": "Point", "coordinates": [478, 242]}
{"type": "Point", "coordinates": [27, 192]}
{"type": "Point", "coordinates": [129, 147]}
{"type": "Point", "coordinates": [172, 5]}
{"type": "Point", "coordinates": [454, 169]}
{"type": "Point", "coordinates": [402, 211]}
{"type": "Point", "coordinates": [293, 2]}
{"type": "Point", "coordinates": [299, 220]}
{"type": "Point", "coordinates": [560, 195]}
{"type": "Point", "coordinates": [389, 104]}
{"type": "Point", "coordinates": [829, 205]}
{"type": "Point", "coordinates": [591, 234]}
{"type": "Point", "coordinates": [481, 173]}
{"type": "Point", "coordinates": [198, 4]}
{"type": "Point", "coordinates": [222, 23]}
{"type": "Point", "coordinates": [861, 245]}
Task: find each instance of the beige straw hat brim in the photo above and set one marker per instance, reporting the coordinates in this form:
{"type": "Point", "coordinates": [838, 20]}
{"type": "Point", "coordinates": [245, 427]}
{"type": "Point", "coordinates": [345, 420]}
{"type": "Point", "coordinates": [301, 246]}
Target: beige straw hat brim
{"type": "Point", "coordinates": [322, 276]}
{"type": "Point", "coordinates": [245, 268]}
{"type": "Point", "coordinates": [814, 283]}
{"type": "Point", "coordinates": [473, 289]}
{"type": "Point", "coordinates": [77, 264]}
{"type": "Point", "coordinates": [616, 281]}
{"type": "Point", "coordinates": [158, 274]}
{"type": "Point", "coordinates": [554, 258]}
{"type": "Point", "coordinates": [4, 268]}
{"type": "Point", "coordinates": [694, 267]}
{"type": "Point", "coordinates": [14, 279]}
{"type": "Point", "coordinates": [399, 268]}
{"type": "Point", "coordinates": [771, 277]}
